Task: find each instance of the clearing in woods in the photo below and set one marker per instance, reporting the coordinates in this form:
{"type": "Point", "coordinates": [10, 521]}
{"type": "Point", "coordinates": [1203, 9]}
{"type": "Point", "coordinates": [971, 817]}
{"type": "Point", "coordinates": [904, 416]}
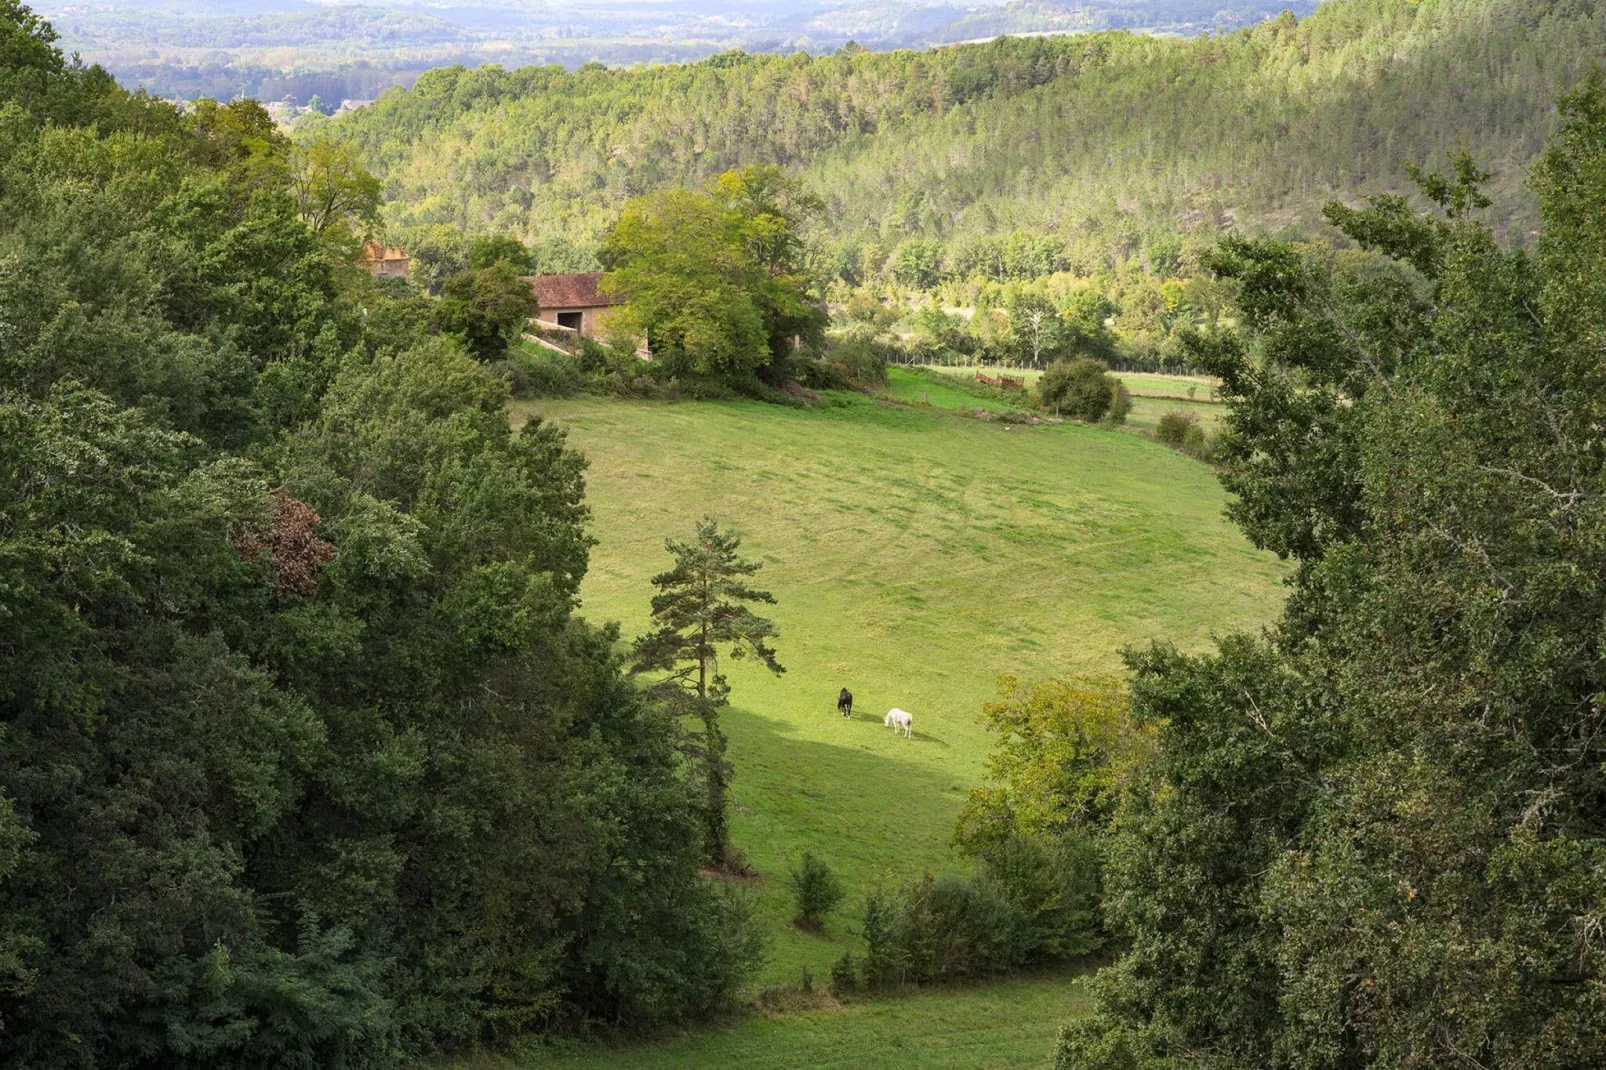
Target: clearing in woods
{"type": "Point", "coordinates": [916, 556]}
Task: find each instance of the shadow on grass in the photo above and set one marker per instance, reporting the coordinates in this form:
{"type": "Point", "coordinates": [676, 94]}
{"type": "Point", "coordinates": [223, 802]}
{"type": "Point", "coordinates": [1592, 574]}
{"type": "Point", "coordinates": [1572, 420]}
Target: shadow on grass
{"type": "Point", "coordinates": [1007, 1021]}
{"type": "Point", "coordinates": [921, 737]}
{"type": "Point", "coordinates": [880, 722]}
{"type": "Point", "coordinates": [867, 810]}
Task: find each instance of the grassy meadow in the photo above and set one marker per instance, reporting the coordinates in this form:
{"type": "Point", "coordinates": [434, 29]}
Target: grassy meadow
{"type": "Point", "coordinates": [1146, 413]}
{"type": "Point", "coordinates": [916, 556]}
{"type": "Point", "coordinates": [1139, 384]}
{"type": "Point", "coordinates": [1007, 1024]}
{"type": "Point", "coordinates": [1153, 385]}
{"type": "Point", "coordinates": [909, 385]}
{"type": "Point", "coordinates": [1152, 395]}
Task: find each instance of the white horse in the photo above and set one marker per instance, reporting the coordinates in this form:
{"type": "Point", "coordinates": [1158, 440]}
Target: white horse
{"type": "Point", "coordinates": [899, 719]}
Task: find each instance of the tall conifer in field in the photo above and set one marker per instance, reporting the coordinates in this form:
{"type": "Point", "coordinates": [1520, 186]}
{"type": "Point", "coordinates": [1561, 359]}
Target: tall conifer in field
{"type": "Point", "coordinates": [699, 607]}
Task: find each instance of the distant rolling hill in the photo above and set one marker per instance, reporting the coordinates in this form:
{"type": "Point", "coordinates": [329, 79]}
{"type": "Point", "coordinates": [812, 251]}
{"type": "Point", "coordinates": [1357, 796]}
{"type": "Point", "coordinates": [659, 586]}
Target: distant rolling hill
{"type": "Point", "coordinates": [274, 48]}
{"type": "Point", "coordinates": [1103, 140]}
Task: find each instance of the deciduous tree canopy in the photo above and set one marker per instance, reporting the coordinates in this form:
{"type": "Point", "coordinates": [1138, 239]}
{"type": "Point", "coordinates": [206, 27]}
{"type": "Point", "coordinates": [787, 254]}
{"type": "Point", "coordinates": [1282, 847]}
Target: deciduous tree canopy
{"type": "Point", "coordinates": [714, 279]}
{"type": "Point", "coordinates": [1377, 836]}
{"type": "Point", "coordinates": [304, 759]}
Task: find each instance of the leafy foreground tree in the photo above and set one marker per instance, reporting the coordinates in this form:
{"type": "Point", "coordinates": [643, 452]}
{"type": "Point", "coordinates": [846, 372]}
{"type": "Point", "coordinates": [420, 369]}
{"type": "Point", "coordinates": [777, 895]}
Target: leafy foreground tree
{"type": "Point", "coordinates": [304, 758]}
{"type": "Point", "coordinates": [487, 307]}
{"type": "Point", "coordinates": [714, 279]}
{"type": "Point", "coordinates": [1378, 836]}
{"type": "Point", "coordinates": [700, 607]}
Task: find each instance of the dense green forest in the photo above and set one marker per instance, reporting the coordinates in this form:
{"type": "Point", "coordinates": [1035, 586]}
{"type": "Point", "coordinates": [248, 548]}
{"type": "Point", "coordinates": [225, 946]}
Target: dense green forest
{"type": "Point", "coordinates": [1098, 146]}
{"type": "Point", "coordinates": [304, 758]}
{"type": "Point", "coordinates": [1375, 835]}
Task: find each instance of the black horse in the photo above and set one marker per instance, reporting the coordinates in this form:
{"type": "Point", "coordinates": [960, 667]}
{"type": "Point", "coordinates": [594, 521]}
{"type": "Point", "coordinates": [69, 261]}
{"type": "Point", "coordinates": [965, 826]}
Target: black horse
{"type": "Point", "coordinates": [844, 703]}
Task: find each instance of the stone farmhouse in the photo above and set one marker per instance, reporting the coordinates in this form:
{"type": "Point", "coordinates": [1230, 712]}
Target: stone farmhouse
{"type": "Point", "coordinates": [572, 302]}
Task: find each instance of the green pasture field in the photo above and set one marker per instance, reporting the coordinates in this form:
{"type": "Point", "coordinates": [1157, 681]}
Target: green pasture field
{"type": "Point", "coordinates": [1148, 384]}
{"type": "Point", "coordinates": [1007, 1024]}
{"type": "Point", "coordinates": [909, 385]}
{"type": "Point", "coordinates": [912, 386]}
{"type": "Point", "coordinates": [916, 556]}
{"type": "Point", "coordinates": [1139, 384]}
{"type": "Point", "coordinates": [968, 371]}
{"type": "Point", "coordinates": [1146, 413]}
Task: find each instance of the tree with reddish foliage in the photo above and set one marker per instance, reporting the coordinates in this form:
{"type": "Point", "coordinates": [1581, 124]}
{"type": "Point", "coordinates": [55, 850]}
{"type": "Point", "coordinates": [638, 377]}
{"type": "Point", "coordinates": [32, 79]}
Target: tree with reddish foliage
{"type": "Point", "coordinates": [288, 543]}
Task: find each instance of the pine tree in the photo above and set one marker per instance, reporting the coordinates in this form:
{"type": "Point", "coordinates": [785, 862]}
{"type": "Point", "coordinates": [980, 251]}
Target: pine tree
{"type": "Point", "coordinates": [700, 605]}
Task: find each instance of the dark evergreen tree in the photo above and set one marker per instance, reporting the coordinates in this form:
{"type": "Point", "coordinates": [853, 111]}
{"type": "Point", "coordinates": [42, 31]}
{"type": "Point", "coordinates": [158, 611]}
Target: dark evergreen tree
{"type": "Point", "coordinates": [700, 608]}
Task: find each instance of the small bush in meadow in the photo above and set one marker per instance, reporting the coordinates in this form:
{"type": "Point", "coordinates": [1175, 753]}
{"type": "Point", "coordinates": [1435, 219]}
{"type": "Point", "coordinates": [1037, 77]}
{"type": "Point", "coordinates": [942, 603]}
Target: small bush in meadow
{"type": "Point", "coordinates": [938, 929]}
{"type": "Point", "coordinates": [1199, 445]}
{"type": "Point", "coordinates": [595, 357]}
{"type": "Point", "coordinates": [1053, 884]}
{"type": "Point", "coordinates": [958, 928]}
{"type": "Point", "coordinates": [1174, 426]}
{"type": "Point", "coordinates": [1181, 430]}
{"type": "Point", "coordinates": [1082, 388]}
{"type": "Point", "coordinates": [1036, 902]}
{"type": "Point", "coordinates": [825, 375]}
{"type": "Point", "coordinates": [816, 889]}
{"type": "Point", "coordinates": [1120, 404]}
{"type": "Point", "coordinates": [880, 930]}
{"type": "Point", "coordinates": [864, 358]}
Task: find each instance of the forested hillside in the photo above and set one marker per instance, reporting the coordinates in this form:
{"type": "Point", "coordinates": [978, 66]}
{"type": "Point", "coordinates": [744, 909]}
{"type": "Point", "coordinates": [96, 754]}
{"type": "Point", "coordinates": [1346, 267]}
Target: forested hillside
{"type": "Point", "coordinates": [1100, 143]}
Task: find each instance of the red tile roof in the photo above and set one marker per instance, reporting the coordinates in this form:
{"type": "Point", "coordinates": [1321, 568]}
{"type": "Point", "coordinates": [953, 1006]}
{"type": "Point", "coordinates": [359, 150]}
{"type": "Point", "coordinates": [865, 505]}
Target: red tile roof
{"type": "Point", "coordinates": [571, 291]}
